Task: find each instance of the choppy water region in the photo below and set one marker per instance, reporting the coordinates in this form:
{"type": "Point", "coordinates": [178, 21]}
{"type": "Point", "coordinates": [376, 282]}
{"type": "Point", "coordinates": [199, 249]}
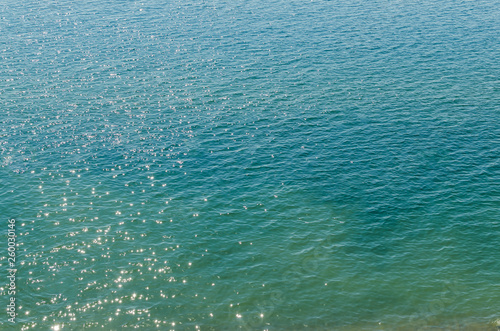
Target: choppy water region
{"type": "Point", "coordinates": [216, 165]}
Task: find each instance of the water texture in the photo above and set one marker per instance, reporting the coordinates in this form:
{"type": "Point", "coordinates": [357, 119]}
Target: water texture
{"type": "Point", "coordinates": [256, 165]}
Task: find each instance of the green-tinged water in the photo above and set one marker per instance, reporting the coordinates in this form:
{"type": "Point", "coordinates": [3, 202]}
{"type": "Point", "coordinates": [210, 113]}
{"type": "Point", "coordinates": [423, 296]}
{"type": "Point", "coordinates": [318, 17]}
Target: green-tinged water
{"type": "Point", "coordinates": [257, 165]}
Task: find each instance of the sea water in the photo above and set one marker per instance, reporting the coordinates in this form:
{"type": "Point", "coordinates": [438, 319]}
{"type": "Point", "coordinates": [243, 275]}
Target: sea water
{"type": "Point", "coordinates": [257, 165]}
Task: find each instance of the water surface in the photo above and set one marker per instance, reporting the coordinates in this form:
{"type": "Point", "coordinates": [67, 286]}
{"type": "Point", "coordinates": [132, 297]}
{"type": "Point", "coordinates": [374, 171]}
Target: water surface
{"type": "Point", "coordinates": [283, 165]}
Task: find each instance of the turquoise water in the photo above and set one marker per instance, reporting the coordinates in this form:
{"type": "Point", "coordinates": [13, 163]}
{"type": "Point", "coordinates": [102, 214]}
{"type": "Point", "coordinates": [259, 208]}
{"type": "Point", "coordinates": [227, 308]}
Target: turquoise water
{"type": "Point", "coordinates": [222, 165]}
